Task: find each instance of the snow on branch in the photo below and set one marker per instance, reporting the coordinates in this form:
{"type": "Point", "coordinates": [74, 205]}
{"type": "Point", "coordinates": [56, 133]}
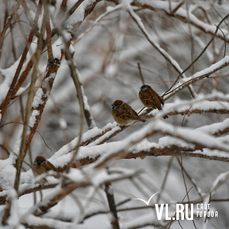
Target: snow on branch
{"type": "Point", "coordinates": [216, 129]}
{"type": "Point", "coordinates": [21, 62]}
{"type": "Point", "coordinates": [183, 15]}
{"type": "Point", "coordinates": [201, 104]}
{"type": "Point", "coordinates": [165, 54]}
{"type": "Point", "coordinates": [198, 76]}
{"type": "Point", "coordinates": [220, 180]}
{"type": "Point", "coordinates": [92, 145]}
{"type": "Point", "coordinates": [41, 98]}
{"type": "Point", "coordinates": [88, 116]}
{"type": "Point", "coordinates": [37, 222]}
{"type": "Point", "coordinates": [138, 21]}
{"type": "Point", "coordinates": [109, 11]}
{"type": "Point", "coordinates": [74, 179]}
{"type": "Point", "coordinates": [186, 139]}
{"type": "Point", "coordinates": [86, 161]}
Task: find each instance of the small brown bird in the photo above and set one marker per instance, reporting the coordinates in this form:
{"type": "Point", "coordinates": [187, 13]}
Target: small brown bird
{"type": "Point", "coordinates": [123, 114]}
{"type": "Point", "coordinates": [42, 165]}
{"type": "Point", "coordinates": [150, 98]}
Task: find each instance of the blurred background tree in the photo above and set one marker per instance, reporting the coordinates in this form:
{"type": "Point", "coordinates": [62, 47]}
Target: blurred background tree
{"type": "Point", "coordinates": [64, 62]}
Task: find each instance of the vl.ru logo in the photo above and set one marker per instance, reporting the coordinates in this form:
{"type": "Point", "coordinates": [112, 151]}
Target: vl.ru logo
{"type": "Point", "coordinates": [181, 211]}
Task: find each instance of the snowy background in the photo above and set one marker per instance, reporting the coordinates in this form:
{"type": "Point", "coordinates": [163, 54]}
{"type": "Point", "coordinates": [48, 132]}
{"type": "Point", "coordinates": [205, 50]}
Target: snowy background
{"type": "Point", "coordinates": [63, 63]}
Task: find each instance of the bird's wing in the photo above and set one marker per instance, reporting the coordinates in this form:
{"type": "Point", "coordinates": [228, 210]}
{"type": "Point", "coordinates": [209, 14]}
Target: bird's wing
{"type": "Point", "coordinates": [51, 166]}
{"type": "Point", "coordinates": [129, 112]}
{"type": "Point", "coordinates": [152, 96]}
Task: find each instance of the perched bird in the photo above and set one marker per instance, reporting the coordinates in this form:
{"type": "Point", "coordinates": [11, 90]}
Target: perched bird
{"type": "Point", "coordinates": [123, 114]}
{"type": "Point", "coordinates": [42, 165]}
{"type": "Point", "coordinates": [150, 98]}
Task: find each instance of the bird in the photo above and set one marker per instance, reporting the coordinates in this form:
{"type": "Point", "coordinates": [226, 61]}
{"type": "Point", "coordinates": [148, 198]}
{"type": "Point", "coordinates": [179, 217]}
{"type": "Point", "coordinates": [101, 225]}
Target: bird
{"type": "Point", "coordinates": [150, 98]}
{"type": "Point", "coordinates": [123, 113]}
{"type": "Point", "coordinates": [42, 165]}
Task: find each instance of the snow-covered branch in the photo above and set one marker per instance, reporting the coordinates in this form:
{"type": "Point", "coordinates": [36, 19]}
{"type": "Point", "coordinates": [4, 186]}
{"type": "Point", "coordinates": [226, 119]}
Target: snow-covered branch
{"type": "Point", "coordinates": [206, 73]}
{"type": "Point", "coordinates": [183, 16]}
{"type": "Point", "coordinates": [54, 49]}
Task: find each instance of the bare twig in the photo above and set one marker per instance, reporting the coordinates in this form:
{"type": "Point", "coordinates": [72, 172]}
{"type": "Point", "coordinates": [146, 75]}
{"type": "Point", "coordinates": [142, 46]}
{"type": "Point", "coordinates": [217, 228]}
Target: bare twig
{"type": "Point", "coordinates": [182, 17]}
{"type": "Point", "coordinates": [198, 57]}
{"type": "Point", "coordinates": [75, 78]}
{"type": "Point", "coordinates": [22, 151]}
{"type": "Point", "coordinates": [5, 102]}
{"type": "Point", "coordinates": [10, 18]}
{"type": "Point", "coordinates": [112, 206]}
{"type": "Point", "coordinates": [165, 55]}
{"type": "Point", "coordinates": [140, 73]}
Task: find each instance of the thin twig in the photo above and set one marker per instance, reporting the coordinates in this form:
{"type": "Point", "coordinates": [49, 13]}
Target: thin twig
{"type": "Point", "coordinates": [198, 57]}
{"type": "Point", "coordinates": [5, 102]}
{"type": "Point", "coordinates": [10, 18]}
{"type": "Point", "coordinates": [28, 105]}
{"type": "Point", "coordinates": [165, 55]}
{"type": "Point", "coordinates": [140, 73]}
{"type": "Point", "coordinates": [75, 78]}
{"type": "Point", "coordinates": [112, 206]}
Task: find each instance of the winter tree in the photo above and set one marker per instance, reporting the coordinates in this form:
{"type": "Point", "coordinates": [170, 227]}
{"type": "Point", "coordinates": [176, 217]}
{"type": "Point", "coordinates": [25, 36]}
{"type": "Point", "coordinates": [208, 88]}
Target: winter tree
{"type": "Point", "coordinates": [63, 63]}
